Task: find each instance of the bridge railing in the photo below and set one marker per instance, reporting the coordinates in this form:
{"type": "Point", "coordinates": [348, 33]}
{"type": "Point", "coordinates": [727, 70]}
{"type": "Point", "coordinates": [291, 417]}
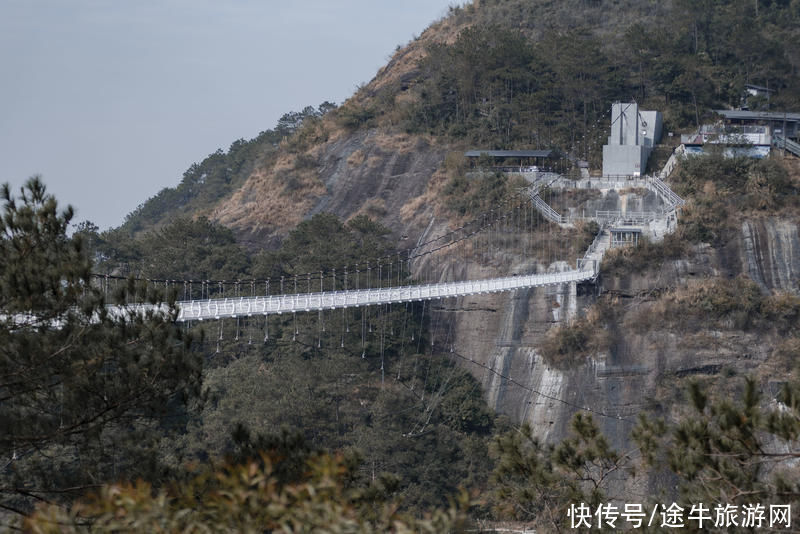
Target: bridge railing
{"type": "Point", "coordinates": [652, 183]}
{"type": "Point", "coordinates": [596, 248]}
{"type": "Point", "coordinates": [672, 162]}
{"type": "Point", "coordinates": [589, 264]}
{"type": "Point", "coordinates": [659, 187]}
{"type": "Point", "coordinates": [587, 269]}
{"type": "Point", "coordinates": [329, 300]}
{"type": "Point", "coordinates": [546, 210]}
{"type": "Point", "coordinates": [631, 217]}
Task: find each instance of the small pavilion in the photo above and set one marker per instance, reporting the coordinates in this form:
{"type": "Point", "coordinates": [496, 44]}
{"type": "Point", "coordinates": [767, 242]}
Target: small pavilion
{"type": "Point", "coordinates": [624, 235]}
{"type": "Point", "coordinates": [514, 158]}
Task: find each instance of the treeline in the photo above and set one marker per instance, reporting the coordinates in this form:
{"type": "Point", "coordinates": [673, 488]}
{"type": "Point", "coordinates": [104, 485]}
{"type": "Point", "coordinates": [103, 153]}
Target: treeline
{"type": "Point", "coordinates": [105, 399]}
{"type": "Point", "coordinates": [494, 87]}
{"type": "Point", "coordinates": [366, 382]}
{"type": "Point", "coordinates": [544, 74]}
{"type": "Point", "coordinates": [90, 398]}
{"type": "Point", "coordinates": [219, 174]}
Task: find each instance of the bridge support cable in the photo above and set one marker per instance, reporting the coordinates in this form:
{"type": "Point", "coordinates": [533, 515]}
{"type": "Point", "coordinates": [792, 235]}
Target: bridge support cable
{"type": "Point", "coordinates": [630, 418]}
{"type": "Point", "coordinates": [490, 238]}
{"type": "Point", "coordinates": [300, 302]}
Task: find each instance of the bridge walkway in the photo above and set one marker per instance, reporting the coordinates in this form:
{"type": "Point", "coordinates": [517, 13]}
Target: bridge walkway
{"type": "Point", "coordinates": [329, 300]}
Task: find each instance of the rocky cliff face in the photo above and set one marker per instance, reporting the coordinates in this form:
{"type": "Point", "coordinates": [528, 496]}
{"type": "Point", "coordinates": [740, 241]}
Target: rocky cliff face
{"type": "Point", "coordinates": [377, 174]}
{"type": "Point", "coordinates": [371, 172]}
{"type": "Point", "coordinates": [646, 367]}
{"type": "Point", "coordinates": [647, 364]}
{"type": "Point", "coordinates": [384, 173]}
{"type": "Point", "coordinates": [770, 253]}
{"type": "Point", "coordinates": [396, 179]}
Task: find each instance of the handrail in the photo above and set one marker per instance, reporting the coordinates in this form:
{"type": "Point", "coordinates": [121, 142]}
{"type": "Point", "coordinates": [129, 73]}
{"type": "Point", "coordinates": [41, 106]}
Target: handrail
{"type": "Point", "coordinates": [786, 144]}
{"type": "Point", "coordinates": [328, 300]}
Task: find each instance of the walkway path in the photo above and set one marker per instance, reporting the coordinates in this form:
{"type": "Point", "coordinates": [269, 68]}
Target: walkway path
{"type": "Point", "coordinates": [329, 300]}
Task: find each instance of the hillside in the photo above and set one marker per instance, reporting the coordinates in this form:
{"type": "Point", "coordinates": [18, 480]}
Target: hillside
{"type": "Point", "coordinates": [524, 75]}
{"type": "Point", "coordinates": [711, 304]}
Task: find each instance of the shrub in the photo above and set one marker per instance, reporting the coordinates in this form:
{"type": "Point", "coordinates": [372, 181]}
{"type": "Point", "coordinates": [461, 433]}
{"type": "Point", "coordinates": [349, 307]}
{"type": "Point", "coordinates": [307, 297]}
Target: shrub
{"type": "Point", "coordinates": [567, 346]}
{"type": "Point", "coordinates": [645, 255]}
{"type": "Point", "coordinates": [782, 311]}
{"type": "Point", "coordinates": [352, 116]}
{"type": "Point", "coordinates": [305, 161]}
{"type": "Point", "coordinates": [477, 195]}
{"type": "Point", "coordinates": [247, 498]}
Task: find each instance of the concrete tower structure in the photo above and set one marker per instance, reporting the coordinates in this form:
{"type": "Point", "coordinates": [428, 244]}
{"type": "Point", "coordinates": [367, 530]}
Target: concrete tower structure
{"type": "Point", "coordinates": [633, 135]}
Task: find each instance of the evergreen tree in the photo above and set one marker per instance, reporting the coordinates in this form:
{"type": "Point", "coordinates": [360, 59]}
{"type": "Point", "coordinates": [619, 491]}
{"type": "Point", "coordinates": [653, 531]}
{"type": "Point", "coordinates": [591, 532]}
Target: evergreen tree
{"type": "Point", "coordinates": [85, 391]}
{"type": "Point", "coordinates": [250, 498]}
{"type": "Point", "coordinates": [538, 482]}
{"type": "Point", "coordinates": [731, 452]}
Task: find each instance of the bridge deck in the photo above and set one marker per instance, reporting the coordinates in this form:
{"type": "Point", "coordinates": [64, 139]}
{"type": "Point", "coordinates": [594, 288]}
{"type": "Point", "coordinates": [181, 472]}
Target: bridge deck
{"type": "Point", "coordinates": [328, 300]}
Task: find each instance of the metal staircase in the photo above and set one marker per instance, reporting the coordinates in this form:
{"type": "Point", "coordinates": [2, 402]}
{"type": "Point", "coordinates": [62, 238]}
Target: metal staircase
{"type": "Point", "coordinates": [544, 208]}
{"type": "Point", "coordinates": [786, 144]}
{"type": "Point", "coordinates": [657, 186]}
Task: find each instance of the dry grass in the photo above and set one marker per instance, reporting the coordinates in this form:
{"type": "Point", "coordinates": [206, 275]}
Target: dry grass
{"type": "Point", "coordinates": [792, 165]}
{"type": "Point", "coordinates": [567, 346]}
{"type": "Point", "coordinates": [406, 58]}
{"type": "Point", "coordinates": [285, 163]}
{"type": "Point", "coordinates": [374, 162]}
{"type": "Point", "coordinates": [784, 356]}
{"type": "Point", "coordinates": [719, 303]}
{"type": "Point", "coordinates": [317, 151]}
{"type": "Point", "coordinates": [699, 341]}
{"type": "Point", "coordinates": [424, 202]}
{"type": "Point", "coordinates": [356, 158]}
{"type": "Point", "coordinates": [275, 198]}
{"type": "Point", "coordinates": [406, 99]}
{"type": "Point", "coordinates": [335, 132]}
{"type": "Point", "coordinates": [397, 142]}
{"type": "Point", "coordinates": [374, 208]}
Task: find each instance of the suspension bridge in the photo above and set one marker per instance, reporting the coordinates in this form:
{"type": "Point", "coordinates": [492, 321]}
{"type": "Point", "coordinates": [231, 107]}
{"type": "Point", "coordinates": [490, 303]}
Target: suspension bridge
{"type": "Point", "coordinates": [331, 300]}
{"type": "Point", "coordinates": [386, 285]}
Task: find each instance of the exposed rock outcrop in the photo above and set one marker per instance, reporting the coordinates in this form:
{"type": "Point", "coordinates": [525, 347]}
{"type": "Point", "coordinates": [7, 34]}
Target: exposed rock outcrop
{"type": "Point", "coordinates": [770, 250]}
{"type": "Point", "coordinates": [371, 172]}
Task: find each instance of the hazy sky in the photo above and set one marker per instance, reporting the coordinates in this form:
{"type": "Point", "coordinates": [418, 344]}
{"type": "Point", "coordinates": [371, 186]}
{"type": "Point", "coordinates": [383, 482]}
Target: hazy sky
{"type": "Point", "coordinates": [112, 100]}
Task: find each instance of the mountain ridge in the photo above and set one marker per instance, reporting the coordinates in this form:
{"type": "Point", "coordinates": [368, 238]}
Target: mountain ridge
{"type": "Point", "coordinates": [470, 80]}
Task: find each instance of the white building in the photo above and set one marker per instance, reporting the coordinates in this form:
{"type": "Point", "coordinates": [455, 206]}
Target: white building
{"type": "Point", "coordinates": [633, 135]}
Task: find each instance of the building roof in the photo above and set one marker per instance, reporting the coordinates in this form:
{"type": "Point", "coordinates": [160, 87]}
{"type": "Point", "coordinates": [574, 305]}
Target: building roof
{"type": "Point", "coordinates": [509, 153]}
{"type": "Point", "coordinates": [758, 88]}
{"type": "Point", "coordinates": [736, 114]}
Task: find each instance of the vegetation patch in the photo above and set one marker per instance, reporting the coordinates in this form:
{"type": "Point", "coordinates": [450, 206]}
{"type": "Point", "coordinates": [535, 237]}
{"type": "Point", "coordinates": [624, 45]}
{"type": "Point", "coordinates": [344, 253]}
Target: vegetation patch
{"type": "Point", "coordinates": [722, 190]}
{"type": "Point", "coordinates": [646, 255]}
{"type": "Point", "coordinates": [353, 115]}
{"type": "Point", "coordinates": [477, 193]}
{"type": "Point", "coordinates": [722, 303]}
{"type": "Point", "coordinates": [374, 208]}
{"type": "Point", "coordinates": [567, 346]}
{"type": "Point", "coordinates": [356, 158]}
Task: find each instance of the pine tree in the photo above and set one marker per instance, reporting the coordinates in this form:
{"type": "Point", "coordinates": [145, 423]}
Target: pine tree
{"type": "Point", "coordinates": [731, 451]}
{"type": "Point", "coordinates": [250, 497]}
{"type": "Point", "coordinates": [538, 482]}
{"type": "Point", "coordinates": [84, 393]}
